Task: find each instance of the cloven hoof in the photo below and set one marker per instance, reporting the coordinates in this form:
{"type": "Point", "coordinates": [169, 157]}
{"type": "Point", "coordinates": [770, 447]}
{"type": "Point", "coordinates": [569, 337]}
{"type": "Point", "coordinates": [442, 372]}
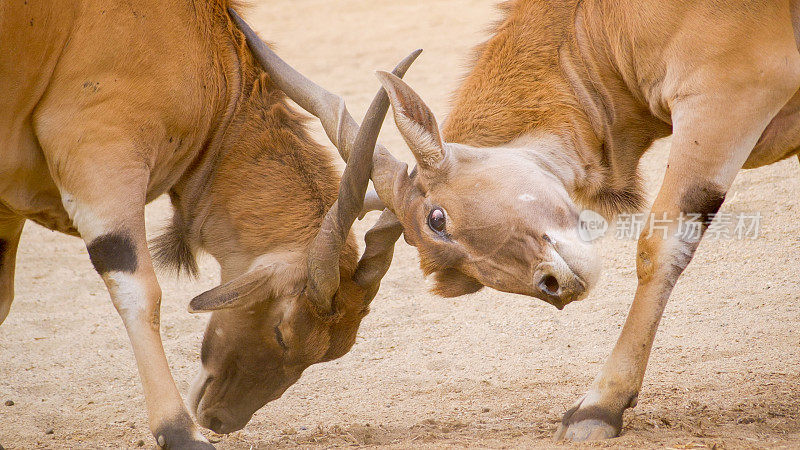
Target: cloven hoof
{"type": "Point", "coordinates": [586, 430]}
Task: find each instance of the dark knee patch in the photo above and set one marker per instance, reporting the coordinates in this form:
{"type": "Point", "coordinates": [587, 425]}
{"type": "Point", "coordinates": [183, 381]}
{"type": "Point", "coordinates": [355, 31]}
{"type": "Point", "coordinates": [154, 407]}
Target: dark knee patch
{"type": "Point", "coordinates": [3, 250]}
{"type": "Point", "coordinates": [704, 198]}
{"type": "Point", "coordinates": [575, 415]}
{"type": "Point", "coordinates": [114, 252]}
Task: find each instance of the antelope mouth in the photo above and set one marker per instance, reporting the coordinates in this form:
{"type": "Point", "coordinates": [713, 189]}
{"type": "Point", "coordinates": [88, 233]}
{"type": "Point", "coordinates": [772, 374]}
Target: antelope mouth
{"type": "Point", "coordinates": [216, 419]}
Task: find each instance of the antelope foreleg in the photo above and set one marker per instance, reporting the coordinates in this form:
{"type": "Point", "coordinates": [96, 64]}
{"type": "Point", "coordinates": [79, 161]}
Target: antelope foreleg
{"type": "Point", "coordinates": [110, 219]}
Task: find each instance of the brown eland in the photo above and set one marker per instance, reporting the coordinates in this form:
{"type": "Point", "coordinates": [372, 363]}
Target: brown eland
{"type": "Point", "coordinates": [553, 117]}
{"type": "Point", "coordinates": [108, 105]}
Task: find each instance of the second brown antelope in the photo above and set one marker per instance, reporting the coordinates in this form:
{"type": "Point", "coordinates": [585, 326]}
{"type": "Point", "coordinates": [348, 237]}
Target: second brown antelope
{"type": "Point", "coordinates": [560, 105]}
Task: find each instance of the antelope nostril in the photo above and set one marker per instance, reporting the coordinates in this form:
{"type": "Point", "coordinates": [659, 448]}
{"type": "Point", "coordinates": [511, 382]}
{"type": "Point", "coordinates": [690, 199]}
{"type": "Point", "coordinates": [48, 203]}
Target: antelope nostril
{"type": "Point", "coordinates": [549, 285]}
{"type": "Point", "coordinates": [215, 424]}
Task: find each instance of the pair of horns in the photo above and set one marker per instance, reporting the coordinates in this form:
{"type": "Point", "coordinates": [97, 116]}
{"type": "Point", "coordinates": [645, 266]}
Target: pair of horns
{"type": "Point", "coordinates": [357, 146]}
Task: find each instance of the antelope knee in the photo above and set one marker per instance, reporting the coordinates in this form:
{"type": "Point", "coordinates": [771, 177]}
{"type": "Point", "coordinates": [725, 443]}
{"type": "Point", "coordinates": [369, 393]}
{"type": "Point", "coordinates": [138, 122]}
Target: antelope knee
{"type": "Point", "coordinates": [137, 298]}
{"type": "Point", "coordinates": [663, 259]}
{"type": "Point", "coordinates": [647, 254]}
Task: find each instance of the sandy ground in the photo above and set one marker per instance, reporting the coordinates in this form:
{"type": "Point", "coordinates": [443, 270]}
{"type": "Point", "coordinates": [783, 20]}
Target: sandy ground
{"type": "Point", "coordinates": [486, 370]}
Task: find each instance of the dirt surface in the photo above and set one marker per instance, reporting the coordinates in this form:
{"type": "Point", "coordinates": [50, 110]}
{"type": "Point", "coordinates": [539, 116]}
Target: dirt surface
{"type": "Point", "coordinates": [485, 370]}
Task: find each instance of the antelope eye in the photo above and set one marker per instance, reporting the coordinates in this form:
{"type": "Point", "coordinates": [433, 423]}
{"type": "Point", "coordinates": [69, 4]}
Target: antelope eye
{"type": "Point", "coordinates": [279, 337]}
{"type": "Point", "coordinates": [436, 220]}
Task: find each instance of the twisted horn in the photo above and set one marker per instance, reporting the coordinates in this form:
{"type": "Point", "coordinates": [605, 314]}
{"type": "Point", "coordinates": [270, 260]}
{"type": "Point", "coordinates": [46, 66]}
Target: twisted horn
{"type": "Point", "coordinates": [329, 108]}
{"type": "Point", "coordinates": [323, 256]}
{"type": "Point", "coordinates": [357, 146]}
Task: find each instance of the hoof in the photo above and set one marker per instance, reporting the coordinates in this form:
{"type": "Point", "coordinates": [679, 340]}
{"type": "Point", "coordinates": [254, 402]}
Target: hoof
{"type": "Point", "coordinates": [181, 434]}
{"type": "Point", "coordinates": [591, 423]}
{"type": "Point", "coordinates": [586, 430]}
{"type": "Point", "coordinates": [183, 441]}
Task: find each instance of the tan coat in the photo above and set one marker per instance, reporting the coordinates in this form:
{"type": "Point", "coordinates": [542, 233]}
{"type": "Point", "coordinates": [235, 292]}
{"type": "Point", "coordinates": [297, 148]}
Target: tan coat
{"type": "Point", "coordinates": [573, 93]}
{"type": "Point", "coordinates": [106, 105]}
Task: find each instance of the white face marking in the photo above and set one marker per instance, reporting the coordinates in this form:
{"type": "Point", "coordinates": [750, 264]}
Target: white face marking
{"type": "Point", "coordinates": [548, 152]}
{"type": "Point", "coordinates": [83, 217]}
{"type": "Point", "coordinates": [526, 198]}
{"type": "Point", "coordinates": [127, 293]}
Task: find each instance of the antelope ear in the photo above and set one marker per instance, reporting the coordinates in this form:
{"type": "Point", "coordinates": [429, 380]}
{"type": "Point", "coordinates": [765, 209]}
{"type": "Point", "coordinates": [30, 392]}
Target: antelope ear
{"type": "Point", "coordinates": [415, 121]}
{"type": "Point", "coordinates": [242, 291]}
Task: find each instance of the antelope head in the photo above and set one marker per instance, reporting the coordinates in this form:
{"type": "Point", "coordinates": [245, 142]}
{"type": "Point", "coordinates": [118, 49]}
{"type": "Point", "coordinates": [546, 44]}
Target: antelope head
{"type": "Point", "coordinates": [292, 310]}
{"type": "Point", "coordinates": [494, 217]}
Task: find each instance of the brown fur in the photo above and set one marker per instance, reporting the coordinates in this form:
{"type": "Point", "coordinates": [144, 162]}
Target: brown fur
{"type": "Point", "coordinates": [607, 79]}
{"type": "Point", "coordinates": [514, 85]}
{"type": "Point", "coordinates": [517, 87]}
{"type": "Point", "coordinates": [558, 109]}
